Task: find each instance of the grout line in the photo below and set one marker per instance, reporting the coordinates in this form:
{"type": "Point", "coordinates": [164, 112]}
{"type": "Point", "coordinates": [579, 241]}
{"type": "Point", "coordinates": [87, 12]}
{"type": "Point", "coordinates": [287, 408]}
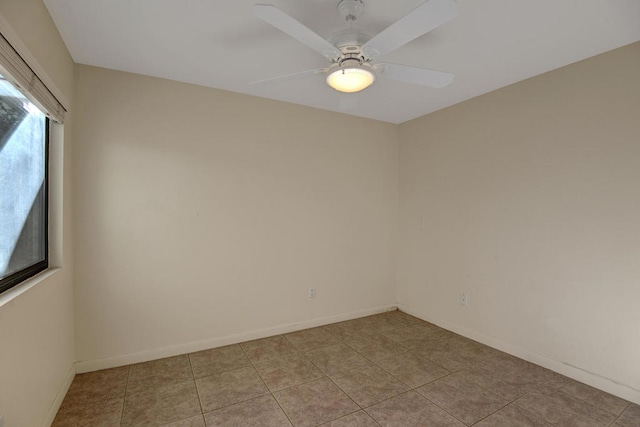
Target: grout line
{"type": "Point", "coordinates": [370, 361]}
{"type": "Point", "coordinates": [414, 389]}
{"type": "Point", "coordinates": [497, 410]}
{"type": "Point", "coordinates": [620, 415]}
{"type": "Point", "coordinates": [124, 398]}
{"type": "Point", "coordinates": [195, 384]}
{"type": "Point", "coordinates": [441, 408]}
{"type": "Point", "coordinates": [345, 392]}
{"type": "Point", "coordinates": [265, 384]}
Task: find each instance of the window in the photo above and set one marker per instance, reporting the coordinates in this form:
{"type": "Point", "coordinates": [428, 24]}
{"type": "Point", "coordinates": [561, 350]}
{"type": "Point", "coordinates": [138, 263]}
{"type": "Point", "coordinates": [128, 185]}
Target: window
{"type": "Point", "coordinates": [24, 133]}
{"type": "Point", "coordinates": [27, 105]}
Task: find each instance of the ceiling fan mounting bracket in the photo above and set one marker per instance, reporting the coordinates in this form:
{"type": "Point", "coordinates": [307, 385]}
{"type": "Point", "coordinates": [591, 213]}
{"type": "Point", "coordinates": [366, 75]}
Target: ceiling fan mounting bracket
{"type": "Point", "coordinates": [350, 10]}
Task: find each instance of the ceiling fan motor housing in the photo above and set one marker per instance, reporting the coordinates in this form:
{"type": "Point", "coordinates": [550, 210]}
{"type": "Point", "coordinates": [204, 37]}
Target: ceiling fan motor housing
{"type": "Point", "coordinates": [349, 36]}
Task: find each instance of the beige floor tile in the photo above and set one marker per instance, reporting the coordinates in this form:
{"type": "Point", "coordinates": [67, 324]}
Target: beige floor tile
{"type": "Point", "coordinates": [435, 333]}
{"type": "Point", "coordinates": [312, 339]}
{"type": "Point", "coordinates": [512, 416]}
{"type": "Point", "coordinates": [403, 319]}
{"type": "Point", "coordinates": [97, 386]}
{"type": "Point", "coordinates": [412, 370]}
{"type": "Point", "coordinates": [476, 348]}
{"type": "Point", "coordinates": [288, 371]}
{"type": "Point", "coordinates": [314, 403]}
{"type": "Point", "coordinates": [411, 344]}
{"type": "Point", "coordinates": [359, 419]}
{"type": "Point", "coordinates": [354, 328]}
{"type": "Point", "coordinates": [368, 384]}
{"type": "Point", "coordinates": [553, 379]}
{"type": "Point", "coordinates": [452, 354]}
{"type": "Point", "coordinates": [506, 364]}
{"type": "Point", "coordinates": [274, 341]}
{"type": "Point", "coordinates": [378, 324]}
{"type": "Point", "coordinates": [601, 399]}
{"type": "Point", "coordinates": [629, 418]}
{"type": "Point", "coordinates": [479, 352]}
{"type": "Point", "coordinates": [414, 336]}
{"type": "Point", "coordinates": [228, 388]}
{"type": "Point", "coordinates": [217, 360]}
{"type": "Point", "coordinates": [341, 330]}
{"type": "Point", "coordinates": [411, 410]}
{"type": "Point", "coordinates": [461, 398]}
{"type": "Point", "coordinates": [262, 411]}
{"type": "Point", "coordinates": [102, 413]}
{"type": "Point", "coordinates": [375, 347]}
{"type": "Point", "coordinates": [336, 358]}
{"type": "Point", "coordinates": [420, 338]}
{"type": "Point", "coordinates": [384, 322]}
{"type": "Point", "coordinates": [162, 405]}
{"type": "Point", "coordinates": [157, 373]}
{"type": "Point", "coordinates": [266, 349]}
{"type": "Point", "coordinates": [363, 326]}
{"type": "Point", "coordinates": [507, 384]}
{"type": "Point", "coordinates": [197, 421]}
{"type": "Point", "coordinates": [557, 407]}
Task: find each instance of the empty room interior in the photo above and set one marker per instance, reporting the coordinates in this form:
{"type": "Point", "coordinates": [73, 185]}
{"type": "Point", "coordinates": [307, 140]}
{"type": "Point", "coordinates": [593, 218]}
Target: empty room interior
{"type": "Point", "coordinates": [433, 237]}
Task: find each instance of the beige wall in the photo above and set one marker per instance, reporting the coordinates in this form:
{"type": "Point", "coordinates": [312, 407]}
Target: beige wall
{"type": "Point", "coordinates": [36, 325]}
{"type": "Point", "coordinates": [203, 216]}
{"type": "Point", "coordinates": [528, 200]}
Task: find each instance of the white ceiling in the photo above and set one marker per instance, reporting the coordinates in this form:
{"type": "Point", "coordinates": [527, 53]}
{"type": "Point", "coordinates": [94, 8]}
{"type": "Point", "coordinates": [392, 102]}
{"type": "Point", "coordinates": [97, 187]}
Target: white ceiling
{"type": "Point", "coordinates": [221, 44]}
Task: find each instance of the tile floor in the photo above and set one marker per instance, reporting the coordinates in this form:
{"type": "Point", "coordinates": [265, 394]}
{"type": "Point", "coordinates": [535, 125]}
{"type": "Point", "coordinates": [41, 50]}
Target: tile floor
{"type": "Point", "coordinates": [389, 369]}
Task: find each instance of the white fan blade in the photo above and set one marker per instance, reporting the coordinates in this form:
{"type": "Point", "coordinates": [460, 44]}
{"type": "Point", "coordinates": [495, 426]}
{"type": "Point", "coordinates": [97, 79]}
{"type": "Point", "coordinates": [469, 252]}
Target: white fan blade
{"type": "Point", "coordinates": [421, 20]}
{"type": "Point", "coordinates": [289, 25]}
{"type": "Point", "coordinates": [292, 76]}
{"type": "Point", "coordinates": [415, 75]}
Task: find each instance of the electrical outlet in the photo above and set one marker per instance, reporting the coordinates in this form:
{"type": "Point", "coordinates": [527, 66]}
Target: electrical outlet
{"type": "Point", "coordinates": [312, 292]}
{"type": "Point", "coordinates": [463, 299]}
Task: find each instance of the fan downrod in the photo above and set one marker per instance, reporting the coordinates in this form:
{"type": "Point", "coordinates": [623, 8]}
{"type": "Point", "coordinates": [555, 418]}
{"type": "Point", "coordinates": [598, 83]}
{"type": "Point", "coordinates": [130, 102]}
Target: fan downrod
{"type": "Point", "coordinates": [350, 9]}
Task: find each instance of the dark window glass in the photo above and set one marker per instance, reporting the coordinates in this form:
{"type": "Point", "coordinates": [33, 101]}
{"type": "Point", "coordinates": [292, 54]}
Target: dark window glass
{"type": "Point", "coordinates": [23, 187]}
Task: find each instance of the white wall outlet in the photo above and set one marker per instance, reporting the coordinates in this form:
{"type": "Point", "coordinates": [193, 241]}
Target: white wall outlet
{"type": "Point", "coordinates": [463, 299]}
{"type": "Point", "coordinates": [312, 292]}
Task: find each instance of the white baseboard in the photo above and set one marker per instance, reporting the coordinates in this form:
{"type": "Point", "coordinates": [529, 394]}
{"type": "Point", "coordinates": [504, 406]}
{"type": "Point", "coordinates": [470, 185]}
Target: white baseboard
{"type": "Point", "coordinates": [190, 347]}
{"type": "Point", "coordinates": [605, 384]}
{"type": "Point", "coordinates": [62, 392]}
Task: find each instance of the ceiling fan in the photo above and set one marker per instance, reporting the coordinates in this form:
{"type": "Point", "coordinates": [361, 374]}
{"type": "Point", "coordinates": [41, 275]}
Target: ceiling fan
{"type": "Point", "coordinates": [353, 53]}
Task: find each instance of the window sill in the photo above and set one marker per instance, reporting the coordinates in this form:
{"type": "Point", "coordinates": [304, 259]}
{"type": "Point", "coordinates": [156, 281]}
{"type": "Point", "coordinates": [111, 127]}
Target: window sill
{"type": "Point", "coordinates": [23, 287]}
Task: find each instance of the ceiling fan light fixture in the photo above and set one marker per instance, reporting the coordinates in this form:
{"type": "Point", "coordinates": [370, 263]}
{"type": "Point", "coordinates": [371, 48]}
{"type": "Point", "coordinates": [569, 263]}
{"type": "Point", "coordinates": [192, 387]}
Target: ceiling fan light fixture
{"type": "Point", "coordinates": [350, 80]}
